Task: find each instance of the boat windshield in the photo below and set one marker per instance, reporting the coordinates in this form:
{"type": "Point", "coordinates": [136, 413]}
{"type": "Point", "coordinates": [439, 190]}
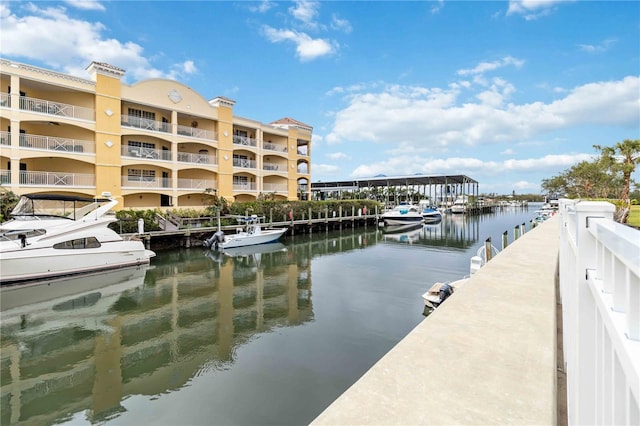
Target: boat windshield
{"type": "Point", "coordinates": [68, 209]}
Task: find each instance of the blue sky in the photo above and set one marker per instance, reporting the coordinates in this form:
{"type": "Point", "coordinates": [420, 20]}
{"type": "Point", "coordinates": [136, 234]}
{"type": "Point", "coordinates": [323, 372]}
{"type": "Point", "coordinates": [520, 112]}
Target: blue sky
{"type": "Point", "coordinates": [506, 92]}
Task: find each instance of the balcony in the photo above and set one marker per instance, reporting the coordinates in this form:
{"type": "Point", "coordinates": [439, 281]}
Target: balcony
{"type": "Point", "coordinates": [273, 147]}
{"type": "Point", "coordinates": [50, 143]}
{"type": "Point", "coordinates": [145, 153]}
{"type": "Point", "coordinates": [57, 109]}
{"type": "Point", "coordinates": [5, 177]}
{"type": "Point", "coordinates": [200, 184]}
{"type": "Point", "coordinates": [275, 187]}
{"type": "Point", "coordinates": [245, 186]}
{"type": "Point", "coordinates": [244, 163]}
{"type": "Point", "coordinates": [188, 157]}
{"type": "Point", "coordinates": [145, 182]}
{"type": "Point", "coordinates": [272, 167]}
{"type": "Point", "coordinates": [197, 133]}
{"type": "Point", "coordinates": [57, 179]}
{"type": "Point", "coordinates": [5, 100]}
{"type": "Point", "coordinates": [145, 124]}
{"type": "Point", "coordinates": [245, 141]}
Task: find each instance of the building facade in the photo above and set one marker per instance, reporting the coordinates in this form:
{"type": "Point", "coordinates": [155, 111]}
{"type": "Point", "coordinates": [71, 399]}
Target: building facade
{"type": "Point", "coordinates": [152, 144]}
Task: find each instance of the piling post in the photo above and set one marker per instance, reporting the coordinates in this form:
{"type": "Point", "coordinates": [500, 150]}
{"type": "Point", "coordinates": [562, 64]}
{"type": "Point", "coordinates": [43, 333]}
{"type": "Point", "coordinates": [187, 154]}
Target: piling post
{"type": "Point", "coordinates": [487, 250]}
{"type": "Point", "coordinates": [353, 219]}
{"type": "Point", "coordinates": [505, 241]}
{"type": "Point", "coordinates": [516, 232]}
{"type": "Point", "coordinates": [523, 228]}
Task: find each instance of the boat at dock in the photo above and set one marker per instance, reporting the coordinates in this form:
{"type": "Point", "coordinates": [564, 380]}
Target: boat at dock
{"type": "Point", "coordinates": [429, 212]}
{"type": "Point", "coordinates": [440, 291]}
{"type": "Point", "coordinates": [52, 236]}
{"type": "Point", "coordinates": [402, 214]}
{"type": "Point", "coordinates": [250, 234]}
{"type": "Point", "coordinates": [460, 205]}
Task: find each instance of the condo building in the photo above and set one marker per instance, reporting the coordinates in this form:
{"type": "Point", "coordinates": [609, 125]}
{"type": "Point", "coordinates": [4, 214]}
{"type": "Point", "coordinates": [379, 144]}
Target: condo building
{"type": "Point", "coordinates": [152, 144]}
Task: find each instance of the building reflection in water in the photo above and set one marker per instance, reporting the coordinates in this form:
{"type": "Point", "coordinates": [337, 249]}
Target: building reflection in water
{"type": "Point", "coordinates": [160, 328]}
{"type": "Point", "coordinates": [83, 345]}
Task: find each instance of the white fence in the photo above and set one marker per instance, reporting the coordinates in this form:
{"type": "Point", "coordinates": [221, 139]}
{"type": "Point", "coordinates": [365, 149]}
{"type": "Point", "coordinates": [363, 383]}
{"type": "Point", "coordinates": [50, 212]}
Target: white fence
{"type": "Point", "coordinates": [600, 291]}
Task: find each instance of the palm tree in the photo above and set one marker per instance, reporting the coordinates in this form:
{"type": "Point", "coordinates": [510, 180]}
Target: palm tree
{"type": "Point", "coordinates": [623, 156]}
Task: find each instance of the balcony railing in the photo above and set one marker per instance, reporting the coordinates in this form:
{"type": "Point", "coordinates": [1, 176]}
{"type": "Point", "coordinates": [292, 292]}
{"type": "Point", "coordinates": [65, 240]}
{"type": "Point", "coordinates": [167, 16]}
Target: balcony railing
{"type": "Point", "coordinates": [244, 163]}
{"type": "Point", "coordinates": [145, 153]}
{"type": "Point", "coordinates": [5, 177]}
{"type": "Point", "coordinates": [600, 290]}
{"type": "Point", "coordinates": [5, 100]}
{"type": "Point", "coordinates": [145, 124]}
{"type": "Point", "coordinates": [56, 108]}
{"type": "Point", "coordinates": [5, 138]}
{"type": "Point", "coordinates": [57, 179]}
{"type": "Point", "coordinates": [244, 140]}
{"type": "Point", "coordinates": [188, 157]}
{"type": "Point", "coordinates": [272, 166]}
{"type": "Point", "coordinates": [273, 147]}
{"type": "Point", "coordinates": [145, 182]}
{"type": "Point", "coordinates": [275, 187]}
{"type": "Point", "coordinates": [201, 184]}
{"type": "Point", "coordinates": [248, 186]}
{"type": "Point", "coordinates": [197, 133]}
{"type": "Point", "coordinates": [50, 143]}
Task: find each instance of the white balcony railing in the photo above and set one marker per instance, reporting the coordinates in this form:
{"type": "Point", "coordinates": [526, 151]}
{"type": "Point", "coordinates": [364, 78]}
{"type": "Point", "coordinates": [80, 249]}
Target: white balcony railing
{"type": "Point", "coordinates": [145, 153]}
{"type": "Point", "coordinates": [244, 163]}
{"type": "Point", "coordinates": [247, 186]}
{"type": "Point", "coordinates": [272, 167]}
{"type": "Point", "coordinates": [188, 157]}
{"type": "Point", "coordinates": [244, 140]}
{"type": "Point", "coordinates": [5, 100]}
{"type": "Point", "coordinates": [600, 291]}
{"type": "Point", "coordinates": [275, 187]}
{"type": "Point", "coordinates": [57, 179]}
{"type": "Point", "coordinates": [5, 177]}
{"type": "Point", "coordinates": [145, 124]}
{"type": "Point", "coordinates": [195, 132]}
{"type": "Point", "coordinates": [56, 108]}
{"type": "Point", "coordinates": [50, 143]}
{"type": "Point", "coordinates": [201, 184]}
{"type": "Point", "coordinates": [145, 182]}
{"type": "Point", "coordinates": [273, 147]}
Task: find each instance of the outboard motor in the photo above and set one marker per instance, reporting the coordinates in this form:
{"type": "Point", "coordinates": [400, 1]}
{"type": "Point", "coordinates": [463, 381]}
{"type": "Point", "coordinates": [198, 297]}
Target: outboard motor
{"type": "Point", "coordinates": [445, 291]}
{"type": "Point", "coordinates": [215, 239]}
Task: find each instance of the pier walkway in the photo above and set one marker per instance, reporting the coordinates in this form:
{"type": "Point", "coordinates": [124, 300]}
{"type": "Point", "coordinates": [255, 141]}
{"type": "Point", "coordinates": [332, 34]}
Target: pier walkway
{"type": "Point", "coordinates": [560, 303]}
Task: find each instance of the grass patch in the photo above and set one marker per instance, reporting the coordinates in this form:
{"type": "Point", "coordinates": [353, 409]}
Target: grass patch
{"type": "Point", "coordinates": [634, 216]}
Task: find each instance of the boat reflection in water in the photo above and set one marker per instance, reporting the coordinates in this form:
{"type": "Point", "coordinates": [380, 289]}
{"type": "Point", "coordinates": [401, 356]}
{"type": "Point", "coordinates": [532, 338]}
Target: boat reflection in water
{"type": "Point", "coordinates": [139, 331]}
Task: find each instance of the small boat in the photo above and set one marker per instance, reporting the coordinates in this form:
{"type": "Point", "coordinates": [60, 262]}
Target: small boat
{"type": "Point", "coordinates": [402, 215]}
{"type": "Point", "coordinates": [251, 234]}
{"type": "Point", "coordinates": [52, 236]}
{"type": "Point", "coordinates": [460, 205]}
{"type": "Point", "coordinates": [430, 213]}
{"type": "Point", "coordinates": [439, 292]}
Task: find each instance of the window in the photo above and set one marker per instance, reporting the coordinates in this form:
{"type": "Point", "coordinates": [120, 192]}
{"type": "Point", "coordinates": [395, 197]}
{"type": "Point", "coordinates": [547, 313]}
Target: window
{"type": "Point", "coordinates": [138, 175]}
{"type": "Point", "coordinates": [133, 112]}
{"type": "Point", "coordinates": [79, 243]}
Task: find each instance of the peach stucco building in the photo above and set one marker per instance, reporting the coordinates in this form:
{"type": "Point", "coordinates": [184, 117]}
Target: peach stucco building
{"type": "Point", "coordinates": [154, 143]}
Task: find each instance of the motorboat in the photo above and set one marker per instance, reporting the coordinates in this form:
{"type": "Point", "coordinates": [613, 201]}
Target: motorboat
{"type": "Point", "coordinates": [50, 236]}
{"type": "Point", "coordinates": [430, 213]}
{"type": "Point", "coordinates": [250, 234]}
{"type": "Point", "coordinates": [460, 205]}
{"type": "Point", "coordinates": [402, 214]}
{"type": "Point", "coordinates": [440, 291]}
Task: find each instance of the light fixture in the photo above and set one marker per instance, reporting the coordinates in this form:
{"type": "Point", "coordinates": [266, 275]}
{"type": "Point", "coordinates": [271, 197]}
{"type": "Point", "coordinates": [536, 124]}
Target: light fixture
{"type": "Point", "coordinates": [109, 144]}
{"type": "Point", "coordinates": [226, 134]}
{"type": "Point", "coordinates": [108, 112]}
{"type": "Point", "coordinates": [226, 157]}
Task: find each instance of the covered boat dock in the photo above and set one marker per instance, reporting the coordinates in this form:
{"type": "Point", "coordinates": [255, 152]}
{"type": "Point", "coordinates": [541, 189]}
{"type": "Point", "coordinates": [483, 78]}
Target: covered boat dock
{"type": "Point", "coordinates": [441, 190]}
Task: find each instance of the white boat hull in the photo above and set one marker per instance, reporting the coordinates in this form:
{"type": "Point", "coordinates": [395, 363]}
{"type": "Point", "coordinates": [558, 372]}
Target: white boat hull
{"type": "Point", "coordinates": [243, 239]}
{"type": "Point", "coordinates": [432, 297]}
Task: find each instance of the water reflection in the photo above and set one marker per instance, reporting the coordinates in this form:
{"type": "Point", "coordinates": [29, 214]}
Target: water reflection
{"type": "Point", "coordinates": [81, 347]}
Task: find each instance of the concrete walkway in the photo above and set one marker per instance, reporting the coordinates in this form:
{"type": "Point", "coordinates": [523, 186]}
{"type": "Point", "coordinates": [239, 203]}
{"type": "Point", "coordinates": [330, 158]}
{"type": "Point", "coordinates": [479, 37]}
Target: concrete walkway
{"type": "Point", "coordinates": [486, 356]}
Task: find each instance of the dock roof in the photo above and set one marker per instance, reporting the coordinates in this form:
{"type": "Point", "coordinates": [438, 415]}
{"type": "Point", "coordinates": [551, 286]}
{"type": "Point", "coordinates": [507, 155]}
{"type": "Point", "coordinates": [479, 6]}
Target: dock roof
{"type": "Point", "coordinates": [393, 181]}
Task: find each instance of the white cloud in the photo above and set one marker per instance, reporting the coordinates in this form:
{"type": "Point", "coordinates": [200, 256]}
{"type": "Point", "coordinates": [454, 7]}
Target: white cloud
{"type": "Point", "coordinates": [262, 7]}
{"type": "Point", "coordinates": [321, 169]}
{"type": "Point", "coordinates": [341, 24]}
{"type": "Point", "coordinates": [433, 118]}
{"type": "Point", "coordinates": [437, 6]}
{"type": "Point", "coordinates": [532, 9]}
{"type": "Point", "coordinates": [483, 67]}
{"type": "Point", "coordinates": [77, 43]}
{"type": "Point", "coordinates": [508, 151]}
{"type": "Point", "coordinates": [86, 4]}
{"type": "Point", "coordinates": [305, 11]}
{"type": "Point", "coordinates": [338, 156]}
{"type": "Point", "coordinates": [598, 48]}
{"type": "Point", "coordinates": [307, 48]}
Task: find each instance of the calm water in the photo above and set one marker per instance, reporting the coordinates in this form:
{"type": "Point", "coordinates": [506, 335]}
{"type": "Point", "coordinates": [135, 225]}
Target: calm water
{"type": "Point", "coordinates": [234, 339]}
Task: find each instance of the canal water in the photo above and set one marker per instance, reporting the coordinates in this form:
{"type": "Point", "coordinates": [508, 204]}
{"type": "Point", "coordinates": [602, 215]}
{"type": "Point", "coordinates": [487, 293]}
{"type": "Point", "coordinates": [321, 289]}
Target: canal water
{"type": "Point", "coordinates": [267, 337]}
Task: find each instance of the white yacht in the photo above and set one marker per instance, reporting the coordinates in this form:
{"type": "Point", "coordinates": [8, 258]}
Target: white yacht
{"type": "Point", "coordinates": [252, 234]}
{"type": "Point", "coordinates": [460, 205]}
{"type": "Point", "coordinates": [403, 214]}
{"type": "Point", "coordinates": [53, 236]}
